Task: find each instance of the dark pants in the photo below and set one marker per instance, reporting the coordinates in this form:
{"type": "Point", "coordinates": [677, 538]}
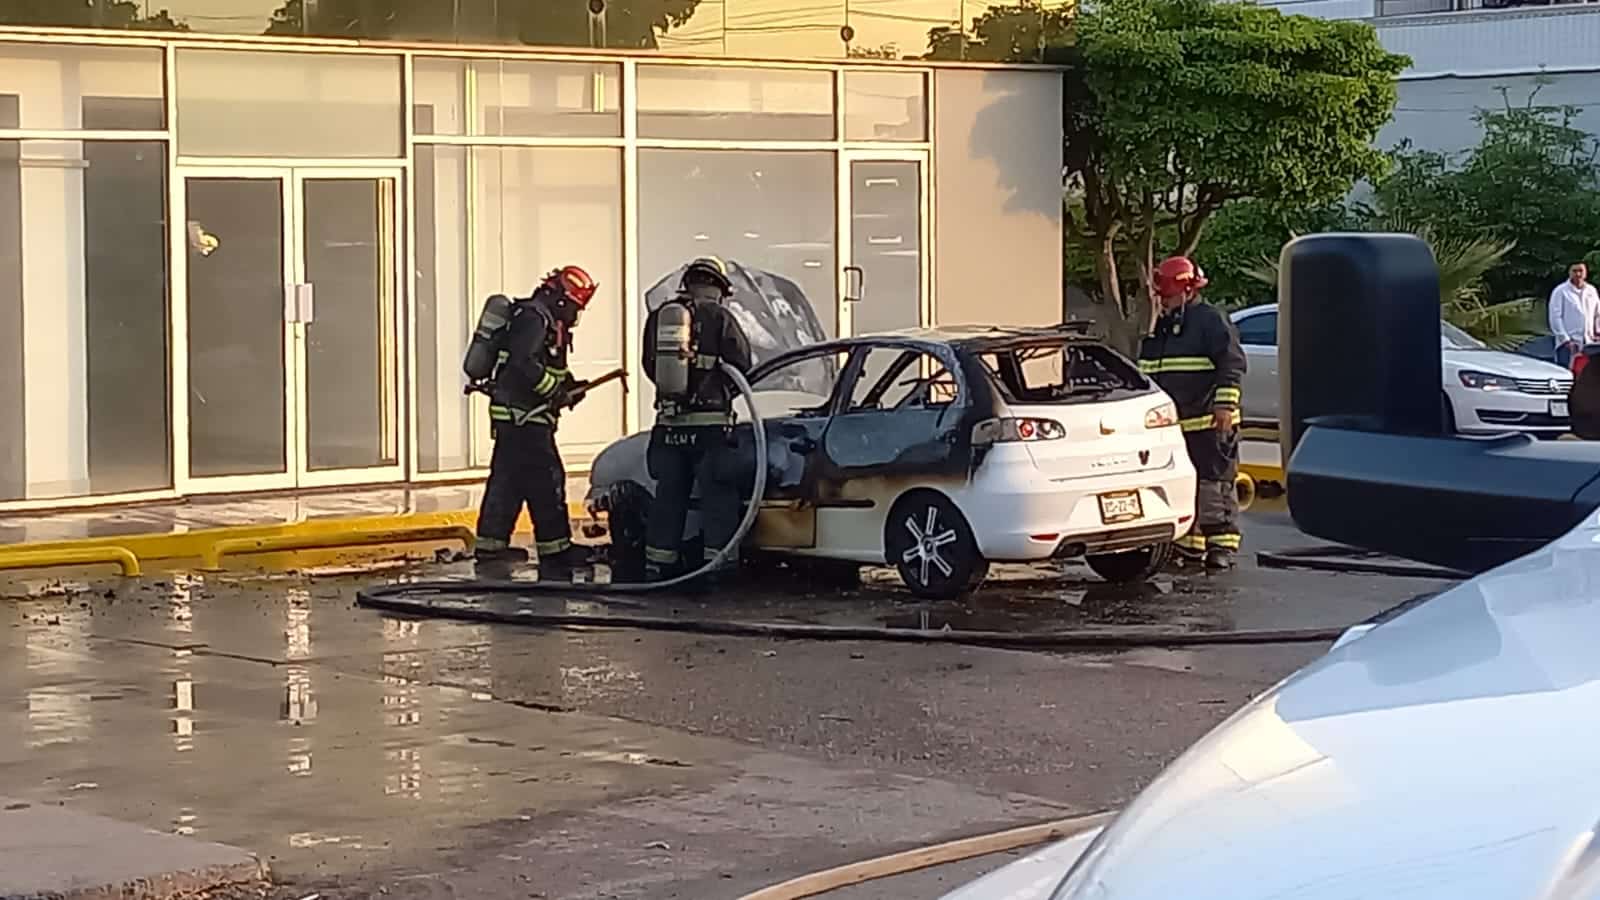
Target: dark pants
{"type": "Point", "coordinates": [1216, 462]}
{"type": "Point", "coordinates": [1564, 353]}
{"type": "Point", "coordinates": [525, 469]}
{"type": "Point", "coordinates": [679, 458]}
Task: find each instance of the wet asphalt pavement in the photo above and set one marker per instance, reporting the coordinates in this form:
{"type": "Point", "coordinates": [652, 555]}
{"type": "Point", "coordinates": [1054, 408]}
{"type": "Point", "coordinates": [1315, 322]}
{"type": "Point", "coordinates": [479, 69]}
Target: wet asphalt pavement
{"type": "Point", "coordinates": [369, 755]}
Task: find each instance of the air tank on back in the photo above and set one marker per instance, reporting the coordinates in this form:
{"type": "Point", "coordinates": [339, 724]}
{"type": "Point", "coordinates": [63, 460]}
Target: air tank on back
{"type": "Point", "coordinates": [1369, 464]}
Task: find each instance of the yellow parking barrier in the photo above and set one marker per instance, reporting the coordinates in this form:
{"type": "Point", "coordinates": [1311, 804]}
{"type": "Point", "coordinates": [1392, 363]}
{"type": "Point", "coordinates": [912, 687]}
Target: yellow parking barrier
{"type": "Point", "coordinates": [70, 556]}
{"type": "Point", "coordinates": [1245, 487]}
{"type": "Point", "coordinates": [211, 559]}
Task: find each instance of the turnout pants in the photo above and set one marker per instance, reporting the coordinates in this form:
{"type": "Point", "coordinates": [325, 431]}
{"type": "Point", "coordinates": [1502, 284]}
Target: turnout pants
{"type": "Point", "coordinates": [1216, 462]}
{"type": "Point", "coordinates": [525, 469]}
{"type": "Point", "coordinates": [678, 458]}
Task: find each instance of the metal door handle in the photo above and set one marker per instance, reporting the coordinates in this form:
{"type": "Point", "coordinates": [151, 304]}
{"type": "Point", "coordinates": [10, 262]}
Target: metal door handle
{"type": "Point", "coordinates": [305, 300]}
{"type": "Point", "coordinates": [299, 303]}
{"type": "Point", "coordinates": [855, 283]}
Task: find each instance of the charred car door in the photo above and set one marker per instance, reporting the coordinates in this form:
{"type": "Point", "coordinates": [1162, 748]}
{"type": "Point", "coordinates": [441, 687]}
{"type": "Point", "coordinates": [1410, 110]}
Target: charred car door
{"type": "Point", "coordinates": [796, 395]}
{"type": "Point", "coordinates": [902, 413]}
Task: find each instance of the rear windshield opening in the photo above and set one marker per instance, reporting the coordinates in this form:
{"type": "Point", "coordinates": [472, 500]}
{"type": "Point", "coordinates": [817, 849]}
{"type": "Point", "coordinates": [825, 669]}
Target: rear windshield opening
{"type": "Point", "coordinates": [1063, 373]}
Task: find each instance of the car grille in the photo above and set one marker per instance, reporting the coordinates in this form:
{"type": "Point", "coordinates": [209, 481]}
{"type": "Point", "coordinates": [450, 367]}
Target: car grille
{"type": "Point", "coordinates": [1544, 385]}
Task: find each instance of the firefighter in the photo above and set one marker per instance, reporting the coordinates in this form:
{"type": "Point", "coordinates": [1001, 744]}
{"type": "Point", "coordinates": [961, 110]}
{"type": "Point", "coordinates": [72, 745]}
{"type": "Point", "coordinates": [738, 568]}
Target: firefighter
{"type": "Point", "coordinates": [685, 341]}
{"type": "Point", "coordinates": [1193, 353]}
{"type": "Point", "coordinates": [530, 339]}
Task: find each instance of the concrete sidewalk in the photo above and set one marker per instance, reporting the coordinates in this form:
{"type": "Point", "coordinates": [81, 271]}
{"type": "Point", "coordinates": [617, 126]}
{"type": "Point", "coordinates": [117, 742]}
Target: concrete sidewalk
{"type": "Point", "coordinates": [60, 854]}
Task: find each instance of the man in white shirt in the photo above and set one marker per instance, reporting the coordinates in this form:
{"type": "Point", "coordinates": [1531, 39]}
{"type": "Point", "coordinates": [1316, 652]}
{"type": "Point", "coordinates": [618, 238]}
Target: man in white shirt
{"type": "Point", "coordinates": [1574, 305]}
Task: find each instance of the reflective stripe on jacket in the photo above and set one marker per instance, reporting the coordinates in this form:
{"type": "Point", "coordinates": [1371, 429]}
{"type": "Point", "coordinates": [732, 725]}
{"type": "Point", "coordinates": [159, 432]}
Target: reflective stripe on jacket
{"type": "Point", "coordinates": [1194, 355]}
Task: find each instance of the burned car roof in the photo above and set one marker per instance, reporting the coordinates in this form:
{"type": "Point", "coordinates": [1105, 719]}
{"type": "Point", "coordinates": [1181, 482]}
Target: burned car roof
{"type": "Point", "coordinates": [972, 338]}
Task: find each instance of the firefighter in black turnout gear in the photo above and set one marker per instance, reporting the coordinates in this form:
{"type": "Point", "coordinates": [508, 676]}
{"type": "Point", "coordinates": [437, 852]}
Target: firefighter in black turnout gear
{"type": "Point", "coordinates": [685, 342]}
{"type": "Point", "coordinates": [528, 384]}
{"type": "Point", "coordinates": [1193, 353]}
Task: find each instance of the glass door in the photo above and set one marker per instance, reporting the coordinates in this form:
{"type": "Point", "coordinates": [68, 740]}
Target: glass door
{"type": "Point", "coordinates": [884, 280]}
{"type": "Point", "coordinates": [238, 338]}
{"type": "Point", "coordinates": [346, 355]}
{"type": "Point", "coordinates": [290, 328]}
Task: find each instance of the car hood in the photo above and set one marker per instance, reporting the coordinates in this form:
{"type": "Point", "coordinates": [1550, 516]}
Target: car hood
{"type": "Point", "coordinates": [1032, 877]}
{"type": "Point", "coordinates": [1495, 362]}
{"type": "Point", "coordinates": [1447, 753]}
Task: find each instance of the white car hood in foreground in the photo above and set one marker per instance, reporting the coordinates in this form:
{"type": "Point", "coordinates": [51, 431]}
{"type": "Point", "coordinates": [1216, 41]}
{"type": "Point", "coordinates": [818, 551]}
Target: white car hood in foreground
{"type": "Point", "coordinates": [1448, 754]}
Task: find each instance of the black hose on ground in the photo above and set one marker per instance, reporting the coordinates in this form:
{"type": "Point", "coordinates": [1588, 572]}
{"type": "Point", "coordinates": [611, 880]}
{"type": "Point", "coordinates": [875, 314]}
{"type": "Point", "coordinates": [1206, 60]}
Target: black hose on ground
{"type": "Point", "coordinates": [1353, 560]}
{"type": "Point", "coordinates": [417, 599]}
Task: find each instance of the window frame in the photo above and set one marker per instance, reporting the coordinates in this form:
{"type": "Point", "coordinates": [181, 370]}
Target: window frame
{"type": "Point", "coordinates": [1240, 324]}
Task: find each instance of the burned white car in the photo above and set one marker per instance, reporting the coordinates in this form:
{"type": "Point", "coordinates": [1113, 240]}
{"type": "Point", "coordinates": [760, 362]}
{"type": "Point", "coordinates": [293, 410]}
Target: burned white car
{"type": "Point", "coordinates": [938, 451]}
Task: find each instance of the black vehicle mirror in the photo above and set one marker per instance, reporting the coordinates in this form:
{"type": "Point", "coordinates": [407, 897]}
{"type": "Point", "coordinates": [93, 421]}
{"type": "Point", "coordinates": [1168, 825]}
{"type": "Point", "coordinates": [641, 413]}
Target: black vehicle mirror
{"type": "Point", "coordinates": [1369, 464]}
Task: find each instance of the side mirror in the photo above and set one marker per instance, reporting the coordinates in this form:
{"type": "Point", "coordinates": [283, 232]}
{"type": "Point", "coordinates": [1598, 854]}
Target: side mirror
{"type": "Point", "coordinates": [855, 284]}
{"type": "Point", "coordinates": [1368, 463]}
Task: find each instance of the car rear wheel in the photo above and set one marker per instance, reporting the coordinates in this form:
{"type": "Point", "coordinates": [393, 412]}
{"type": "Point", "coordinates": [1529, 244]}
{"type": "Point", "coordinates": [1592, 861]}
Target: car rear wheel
{"type": "Point", "coordinates": [627, 512]}
{"type": "Point", "coordinates": [1130, 565]}
{"type": "Point", "coordinates": [931, 545]}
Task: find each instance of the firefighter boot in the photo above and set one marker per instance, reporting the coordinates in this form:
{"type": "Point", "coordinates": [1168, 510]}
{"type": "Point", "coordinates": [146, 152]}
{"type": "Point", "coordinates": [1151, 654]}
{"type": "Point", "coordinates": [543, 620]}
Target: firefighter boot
{"type": "Point", "coordinates": [490, 550]}
{"type": "Point", "coordinates": [560, 565]}
{"type": "Point", "coordinates": [1220, 559]}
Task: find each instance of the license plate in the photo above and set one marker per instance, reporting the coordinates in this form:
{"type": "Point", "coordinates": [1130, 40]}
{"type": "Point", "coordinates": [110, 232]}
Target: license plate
{"type": "Point", "coordinates": [1558, 408]}
{"type": "Point", "coordinates": [1120, 507]}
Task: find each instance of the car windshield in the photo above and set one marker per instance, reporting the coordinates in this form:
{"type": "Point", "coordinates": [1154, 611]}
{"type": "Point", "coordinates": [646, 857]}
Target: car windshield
{"type": "Point", "coordinates": [1453, 338]}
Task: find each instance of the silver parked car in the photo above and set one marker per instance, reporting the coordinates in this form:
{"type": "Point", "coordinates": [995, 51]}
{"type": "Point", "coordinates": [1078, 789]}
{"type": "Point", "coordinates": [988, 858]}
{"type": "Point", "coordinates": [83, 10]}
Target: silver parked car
{"type": "Point", "coordinates": [1442, 752]}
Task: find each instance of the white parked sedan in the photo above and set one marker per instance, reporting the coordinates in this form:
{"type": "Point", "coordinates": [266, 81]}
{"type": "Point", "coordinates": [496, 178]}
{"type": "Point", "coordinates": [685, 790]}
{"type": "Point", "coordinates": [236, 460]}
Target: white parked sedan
{"type": "Point", "coordinates": [1485, 391]}
{"type": "Point", "coordinates": [938, 451]}
{"type": "Point", "coordinates": [1444, 753]}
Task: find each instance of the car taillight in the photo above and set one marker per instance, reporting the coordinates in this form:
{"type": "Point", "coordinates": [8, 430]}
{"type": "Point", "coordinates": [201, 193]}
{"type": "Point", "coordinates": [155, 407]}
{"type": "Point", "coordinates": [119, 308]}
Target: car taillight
{"type": "Point", "coordinates": [1031, 430]}
{"type": "Point", "coordinates": [1162, 416]}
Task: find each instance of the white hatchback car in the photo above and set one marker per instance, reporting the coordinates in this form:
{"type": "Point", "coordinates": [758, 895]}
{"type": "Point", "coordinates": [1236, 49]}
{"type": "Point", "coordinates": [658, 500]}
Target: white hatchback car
{"type": "Point", "coordinates": [1485, 391]}
{"type": "Point", "coordinates": [1444, 751]}
{"type": "Point", "coordinates": [939, 451]}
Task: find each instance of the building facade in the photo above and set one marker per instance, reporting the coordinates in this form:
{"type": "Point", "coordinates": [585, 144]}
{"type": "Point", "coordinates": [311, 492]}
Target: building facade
{"type": "Point", "coordinates": [242, 250]}
{"type": "Point", "coordinates": [1469, 55]}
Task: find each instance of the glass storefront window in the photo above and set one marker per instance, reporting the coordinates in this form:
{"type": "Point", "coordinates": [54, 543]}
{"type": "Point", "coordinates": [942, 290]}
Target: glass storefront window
{"type": "Point", "coordinates": [885, 106]}
{"type": "Point", "coordinates": [63, 87]}
{"type": "Point", "coordinates": [439, 96]}
{"type": "Point", "coordinates": [722, 103]}
{"type": "Point", "coordinates": [769, 215]}
{"type": "Point", "coordinates": [305, 105]}
{"type": "Point", "coordinates": [518, 98]}
{"type": "Point", "coordinates": [521, 212]}
{"type": "Point", "coordinates": [548, 99]}
{"type": "Point", "coordinates": [902, 29]}
{"type": "Point", "coordinates": [84, 381]}
{"type": "Point", "coordinates": [996, 30]}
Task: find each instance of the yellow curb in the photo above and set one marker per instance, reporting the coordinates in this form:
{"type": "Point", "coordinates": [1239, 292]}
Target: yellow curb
{"type": "Point", "coordinates": [329, 534]}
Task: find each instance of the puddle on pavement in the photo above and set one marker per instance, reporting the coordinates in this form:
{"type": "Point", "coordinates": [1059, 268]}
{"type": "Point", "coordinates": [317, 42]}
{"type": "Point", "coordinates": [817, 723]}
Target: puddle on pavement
{"type": "Point", "coordinates": [211, 709]}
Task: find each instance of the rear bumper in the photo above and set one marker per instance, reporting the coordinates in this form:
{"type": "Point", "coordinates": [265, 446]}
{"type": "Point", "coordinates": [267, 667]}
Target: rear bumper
{"type": "Point", "coordinates": [1034, 520]}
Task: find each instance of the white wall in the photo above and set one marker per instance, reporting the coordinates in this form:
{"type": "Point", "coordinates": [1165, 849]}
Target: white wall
{"type": "Point", "coordinates": [1327, 9]}
{"type": "Point", "coordinates": [1496, 42]}
{"type": "Point", "coordinates": [997, 197]}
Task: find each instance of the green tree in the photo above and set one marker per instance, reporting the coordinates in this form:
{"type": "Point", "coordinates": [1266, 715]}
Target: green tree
{"type": "Point", "coordinates": [1530, 180]}
{"type": "Point", "coordinates": [1176, 108]}
{"type": "Point", "coordinates": [1241, 234]}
